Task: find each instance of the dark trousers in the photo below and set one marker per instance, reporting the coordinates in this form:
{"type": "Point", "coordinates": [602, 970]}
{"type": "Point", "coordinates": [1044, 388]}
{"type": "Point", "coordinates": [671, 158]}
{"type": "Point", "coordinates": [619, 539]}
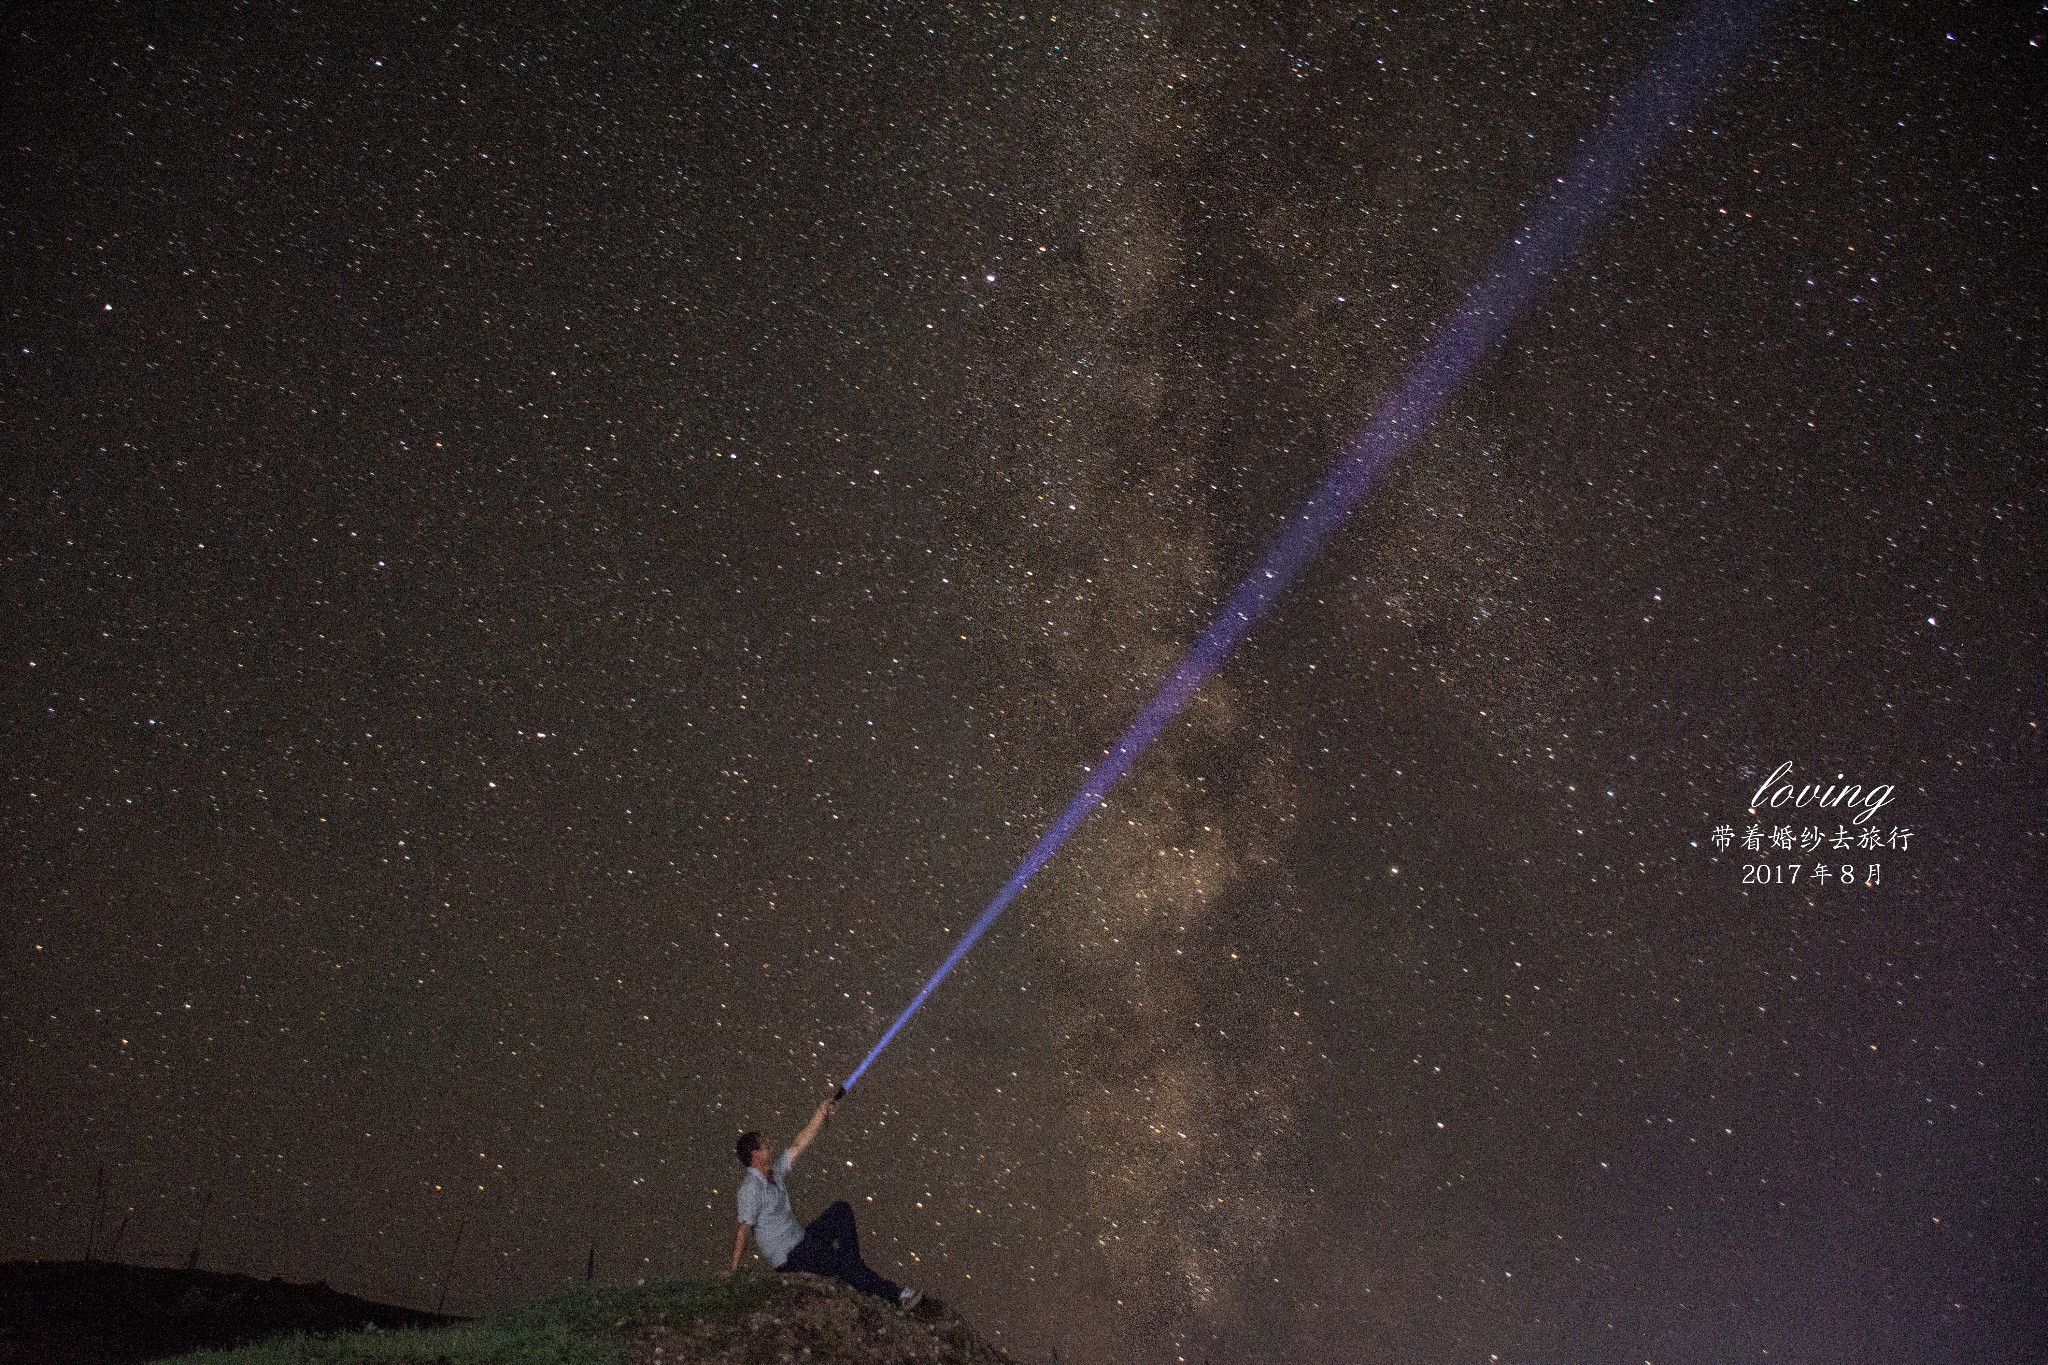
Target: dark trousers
{"type": "Point", "coordinates": [831, 1246]}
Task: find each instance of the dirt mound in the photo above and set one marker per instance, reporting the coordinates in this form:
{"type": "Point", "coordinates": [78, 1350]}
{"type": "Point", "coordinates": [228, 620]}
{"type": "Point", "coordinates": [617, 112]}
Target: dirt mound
{"type": "Point", "coordinates": [811, 1318]}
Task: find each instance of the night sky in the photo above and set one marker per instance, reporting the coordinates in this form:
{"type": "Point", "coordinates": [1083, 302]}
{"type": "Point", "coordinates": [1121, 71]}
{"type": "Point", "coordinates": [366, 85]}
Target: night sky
{"type": "Point", "coordinates": [553, 563]}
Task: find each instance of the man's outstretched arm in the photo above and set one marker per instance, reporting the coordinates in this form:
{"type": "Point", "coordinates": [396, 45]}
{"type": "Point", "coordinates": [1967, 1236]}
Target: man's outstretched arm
{"type": "Point", "coordinates": [803, 1139]}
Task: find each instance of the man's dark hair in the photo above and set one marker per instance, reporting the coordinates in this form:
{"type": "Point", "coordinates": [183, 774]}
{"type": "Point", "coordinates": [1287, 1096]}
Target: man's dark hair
{"type": "Point", "coordinates": [744, 1149]}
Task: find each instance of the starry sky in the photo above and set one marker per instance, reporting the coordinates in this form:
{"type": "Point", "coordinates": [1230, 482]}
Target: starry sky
{"type": "Point", "coordinates": [555, 558]}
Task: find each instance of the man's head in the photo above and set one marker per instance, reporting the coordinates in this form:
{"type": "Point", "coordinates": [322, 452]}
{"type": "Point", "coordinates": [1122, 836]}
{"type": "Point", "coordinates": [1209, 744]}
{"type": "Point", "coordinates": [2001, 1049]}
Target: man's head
{"type": "Point", "coordinates": [751, 1151]}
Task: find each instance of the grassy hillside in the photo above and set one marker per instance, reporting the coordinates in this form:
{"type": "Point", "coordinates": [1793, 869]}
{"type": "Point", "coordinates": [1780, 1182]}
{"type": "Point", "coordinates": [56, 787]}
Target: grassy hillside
{"type": "Point", "coordinates": [754, 1317]}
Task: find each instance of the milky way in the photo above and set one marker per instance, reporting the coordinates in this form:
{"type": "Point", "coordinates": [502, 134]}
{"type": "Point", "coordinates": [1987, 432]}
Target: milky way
{"type": "Point", "coordinates": [552, 568]}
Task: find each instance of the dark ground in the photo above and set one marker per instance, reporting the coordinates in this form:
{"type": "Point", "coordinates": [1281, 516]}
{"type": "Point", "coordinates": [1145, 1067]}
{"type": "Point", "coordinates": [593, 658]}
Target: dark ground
{"type": "Point", "coordinates": [97, 1313]}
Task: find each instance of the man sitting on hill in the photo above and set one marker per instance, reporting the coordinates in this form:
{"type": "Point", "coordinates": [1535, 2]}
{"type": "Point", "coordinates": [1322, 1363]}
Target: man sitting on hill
{"type": "Point", "coordinates": [829, 1246]}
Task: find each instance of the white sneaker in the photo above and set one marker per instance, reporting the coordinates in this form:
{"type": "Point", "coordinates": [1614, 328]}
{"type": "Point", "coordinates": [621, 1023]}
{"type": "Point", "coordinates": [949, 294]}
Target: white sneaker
{"type": "Point", "coordinates": [910, 1298]}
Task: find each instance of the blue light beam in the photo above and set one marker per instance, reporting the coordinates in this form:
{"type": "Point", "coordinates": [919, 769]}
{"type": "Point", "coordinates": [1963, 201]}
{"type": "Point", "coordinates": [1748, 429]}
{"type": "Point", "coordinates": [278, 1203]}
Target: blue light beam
{"type": "Point", "coordinates": [1676, 81]}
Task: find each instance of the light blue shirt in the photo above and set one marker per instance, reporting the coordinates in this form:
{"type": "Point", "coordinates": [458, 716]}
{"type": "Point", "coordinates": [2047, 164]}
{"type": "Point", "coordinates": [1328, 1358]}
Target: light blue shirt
{"type": "Point", "coordinates": [764, 1206]}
